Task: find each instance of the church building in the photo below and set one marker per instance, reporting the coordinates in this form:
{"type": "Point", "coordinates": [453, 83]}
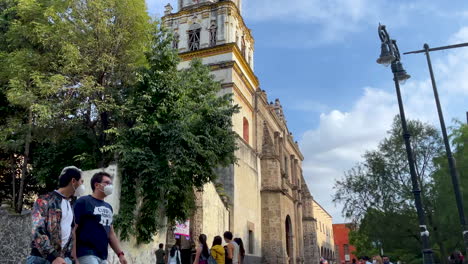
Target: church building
{"type": "Point", "coordinates": [268, 202]}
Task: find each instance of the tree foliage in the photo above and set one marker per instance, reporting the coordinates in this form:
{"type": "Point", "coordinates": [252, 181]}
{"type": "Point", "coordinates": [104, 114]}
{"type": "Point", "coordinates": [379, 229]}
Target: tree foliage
{"type": "Point", "coordinates": [377, 193]}
{"type": "Point", "coordinates": [94, 82]}
{"type": "Point", "coordinates": [177, 131]}
{"type": "Point", "coordinates": [64, 65]}
{"type": "Point", "coordinates": [382, 181]}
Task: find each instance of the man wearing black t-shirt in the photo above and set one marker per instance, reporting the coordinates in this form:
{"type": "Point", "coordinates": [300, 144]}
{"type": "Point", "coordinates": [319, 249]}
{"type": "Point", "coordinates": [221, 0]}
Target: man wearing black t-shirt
{"type": "Point", "coordinates": [93, 224]}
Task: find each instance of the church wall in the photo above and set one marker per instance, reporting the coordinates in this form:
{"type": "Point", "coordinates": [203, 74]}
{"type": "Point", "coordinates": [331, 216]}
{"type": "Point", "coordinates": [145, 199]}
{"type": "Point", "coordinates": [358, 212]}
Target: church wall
{"type": "Point", "coordinates": [215, 213]}
{"type": "Point", "coordinates": [247, 202]}
{"type": "Point", "coordinates": [212, 60]}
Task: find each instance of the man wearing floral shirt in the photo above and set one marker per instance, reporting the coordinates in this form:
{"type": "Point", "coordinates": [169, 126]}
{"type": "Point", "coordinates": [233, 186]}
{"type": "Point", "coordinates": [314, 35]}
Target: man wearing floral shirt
{"type": "Point", "coordinates": [52, 221]}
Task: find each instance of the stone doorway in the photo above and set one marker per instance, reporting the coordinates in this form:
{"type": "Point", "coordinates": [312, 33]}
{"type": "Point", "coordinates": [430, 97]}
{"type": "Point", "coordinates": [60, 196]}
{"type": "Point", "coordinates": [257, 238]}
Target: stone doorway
{"type": "Point", "coordinates": [289, 240]}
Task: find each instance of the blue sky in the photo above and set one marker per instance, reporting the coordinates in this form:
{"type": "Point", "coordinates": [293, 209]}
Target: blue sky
{"type": "Point", "coordinates": [319, 57]}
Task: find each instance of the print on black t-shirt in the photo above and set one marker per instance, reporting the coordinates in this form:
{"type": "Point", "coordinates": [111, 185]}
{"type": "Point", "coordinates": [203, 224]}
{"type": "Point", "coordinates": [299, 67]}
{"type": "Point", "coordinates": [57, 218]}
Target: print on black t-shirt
{"type": "Point", "coordinates": [94, 220]}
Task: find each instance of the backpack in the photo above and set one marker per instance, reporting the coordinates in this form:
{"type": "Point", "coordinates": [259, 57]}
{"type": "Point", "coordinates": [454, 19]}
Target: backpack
{"type": "Point", "coordinates": [211, 260]}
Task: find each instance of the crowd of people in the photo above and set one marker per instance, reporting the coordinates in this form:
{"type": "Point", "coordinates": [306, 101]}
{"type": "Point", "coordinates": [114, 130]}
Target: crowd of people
{"type": "Point", "coordinates": [232, 253]}
{"type": "Point", "coordinates": [66, 230]}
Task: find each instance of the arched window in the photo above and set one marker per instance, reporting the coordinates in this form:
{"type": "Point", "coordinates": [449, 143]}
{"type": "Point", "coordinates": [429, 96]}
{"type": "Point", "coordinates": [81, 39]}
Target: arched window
{"type": "Point", "coordinates": [245, 134]}
{"type": "Point", "coordinates": [194, 37]}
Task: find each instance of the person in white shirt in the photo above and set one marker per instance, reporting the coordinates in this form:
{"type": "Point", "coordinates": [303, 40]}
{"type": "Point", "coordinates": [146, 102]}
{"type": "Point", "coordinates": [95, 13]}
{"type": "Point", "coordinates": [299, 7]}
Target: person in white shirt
{"type": "Point", "coordinates": [52, 219]}
{"type": "Point", "coordinates": [174, 255]}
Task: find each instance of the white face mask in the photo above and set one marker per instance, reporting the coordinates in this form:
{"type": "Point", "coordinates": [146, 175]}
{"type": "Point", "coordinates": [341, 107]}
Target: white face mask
{"type": "Point", "coordinates": [108, 189]}
{"type": "Point", "coordinates": [80, 191]}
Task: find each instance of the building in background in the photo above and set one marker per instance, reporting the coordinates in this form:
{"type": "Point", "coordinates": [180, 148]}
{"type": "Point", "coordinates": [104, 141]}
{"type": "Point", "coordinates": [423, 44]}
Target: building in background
{"type": "Point", "coordinates": [345, 249]}
{"type": "Point", "coordinates": [325, 239]}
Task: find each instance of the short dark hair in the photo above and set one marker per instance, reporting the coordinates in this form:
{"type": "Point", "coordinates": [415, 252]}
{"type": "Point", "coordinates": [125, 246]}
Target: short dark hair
{"type": "Point", "coordinates": [161, 245]}
{"type": "Point", "coordinates": [67, 174]}
{"type": "Point", "coordinates": [97, 178]}
{"type": "Point", "coordinates": [217, 241]}
{"type": "Point", "coordinates": [227, 235]}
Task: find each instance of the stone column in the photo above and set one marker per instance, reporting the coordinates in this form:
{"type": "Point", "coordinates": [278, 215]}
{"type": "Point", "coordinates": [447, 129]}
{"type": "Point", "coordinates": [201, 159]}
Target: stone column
{"type": "Point", "coordinates": [273, 225]}
{"type": "Point", "coordinates": [311, 254]}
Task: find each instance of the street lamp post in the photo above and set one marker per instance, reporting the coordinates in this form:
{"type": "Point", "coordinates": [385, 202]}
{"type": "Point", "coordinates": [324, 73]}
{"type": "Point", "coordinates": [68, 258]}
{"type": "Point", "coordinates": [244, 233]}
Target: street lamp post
{"type": "Point", "coordinates": [451, 160]}
{"type": "Point", "coordinates": [391, 55]}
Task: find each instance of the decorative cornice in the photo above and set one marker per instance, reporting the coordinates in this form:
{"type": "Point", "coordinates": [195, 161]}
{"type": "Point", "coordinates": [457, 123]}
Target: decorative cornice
{"type": "Point", "coordinates": [223, 49]}
{"type": "Point", "coordinates": [272, 190]}
{"type": "Point", "coordinates": [210, 6]}
{"type": "Point", "coordinates": [206, 52]}
{"type": "Point", "coordinates": [311, 219]}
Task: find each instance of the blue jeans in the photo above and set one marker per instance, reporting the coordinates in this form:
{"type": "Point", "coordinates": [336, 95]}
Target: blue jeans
{"type": "Point", "coordinates": [39, 260]}
{"type": "Point", "coordinates": [91, 259]}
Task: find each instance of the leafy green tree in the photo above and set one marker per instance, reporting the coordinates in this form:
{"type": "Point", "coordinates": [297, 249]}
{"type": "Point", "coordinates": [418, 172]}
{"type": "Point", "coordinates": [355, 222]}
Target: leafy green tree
{"type": "Point", "coordinates": [382, 181]}
{"type": "Point", "coordinates": [377, 193]}
{"type": "Point", "coordinates": [64, 67]}
{"type": "Point", "coordinates": [177, 131]}
{"type": "Point", "coordinates": [446, 212]}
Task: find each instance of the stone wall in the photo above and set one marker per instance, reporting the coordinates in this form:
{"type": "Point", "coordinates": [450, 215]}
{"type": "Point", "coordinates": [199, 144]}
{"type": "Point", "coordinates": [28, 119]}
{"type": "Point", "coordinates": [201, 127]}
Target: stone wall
{"type": "Point", "coordinates": [215, 213]}
{"type": "Point", "coordinates": [15, 236]}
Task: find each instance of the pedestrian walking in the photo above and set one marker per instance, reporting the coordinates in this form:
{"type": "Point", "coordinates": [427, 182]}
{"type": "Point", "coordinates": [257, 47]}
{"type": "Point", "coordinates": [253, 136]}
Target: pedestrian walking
{"type": "Point", "coordinates": [377, 260]}
{"type": "Point", "coordinates": [456, 257]}
{"type": "Point", "coordinates": [386, 260]}
{"type": "Point", "coordinates": [160, 255]}
{"type": "Point", "coordinates": [203, 253]}
{"type": "Point", "coordinates": [241, 249]}
{"type": "Point", "coordinates": [52, 221]}
{"type": "Point", "coordinates": [366, 260]}
{"type": "Point", "coordinates": [93, 224]}
{"type": "Point", "coordinates": [174, 255]}
{"type": "Point", "coordinates": [217, 250]}
{"type": "Point", "coordinates": [232, 249]}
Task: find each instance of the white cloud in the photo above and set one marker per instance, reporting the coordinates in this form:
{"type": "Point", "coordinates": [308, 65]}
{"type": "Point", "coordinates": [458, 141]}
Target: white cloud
{"type": "Point", "coordinates": [334, 18]}
{"type": "Point", "coordinates": [343, 136]}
